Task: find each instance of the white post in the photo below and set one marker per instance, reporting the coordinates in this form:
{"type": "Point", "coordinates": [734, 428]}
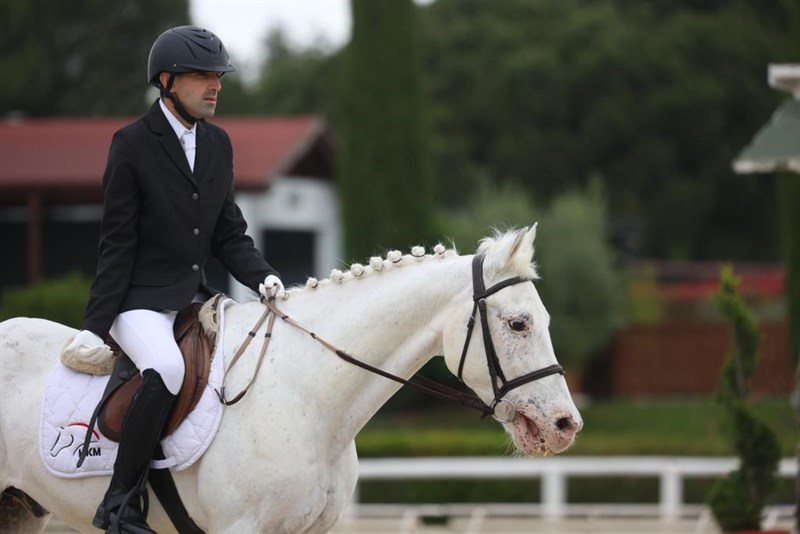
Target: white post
{"type": "Point", "coordinates": [554, 493]}
{"type": "Point", "coordinates": [671, 494]}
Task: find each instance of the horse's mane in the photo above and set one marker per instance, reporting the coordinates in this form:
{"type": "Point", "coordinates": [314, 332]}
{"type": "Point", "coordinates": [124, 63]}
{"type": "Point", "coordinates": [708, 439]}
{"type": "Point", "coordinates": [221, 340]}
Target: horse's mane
{"type": "Point", "coordinates": [395, 259]}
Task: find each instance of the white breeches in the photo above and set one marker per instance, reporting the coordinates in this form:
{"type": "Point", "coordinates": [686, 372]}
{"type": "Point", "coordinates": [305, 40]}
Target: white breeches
{"type": "Point", "coordinates": [147, 338]}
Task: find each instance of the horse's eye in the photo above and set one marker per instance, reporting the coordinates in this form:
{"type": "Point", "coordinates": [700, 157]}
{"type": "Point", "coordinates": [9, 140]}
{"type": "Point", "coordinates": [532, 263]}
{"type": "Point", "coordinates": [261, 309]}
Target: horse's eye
{"type": "Point", "coordinates": [518, 325]}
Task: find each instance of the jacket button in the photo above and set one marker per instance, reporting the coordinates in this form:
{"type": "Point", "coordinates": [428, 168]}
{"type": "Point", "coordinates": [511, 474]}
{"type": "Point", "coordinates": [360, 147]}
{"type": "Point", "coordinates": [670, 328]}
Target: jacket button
{"type": "Point", "coordinates": [195, 267]}
{"type": "Point", "coordinates": [196, 231]}
{"type": "Point", "coordinates": [195, 196]}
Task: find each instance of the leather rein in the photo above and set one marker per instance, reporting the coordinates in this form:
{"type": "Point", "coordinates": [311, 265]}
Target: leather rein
{"type": "Point", "coordinates": [500, 385]}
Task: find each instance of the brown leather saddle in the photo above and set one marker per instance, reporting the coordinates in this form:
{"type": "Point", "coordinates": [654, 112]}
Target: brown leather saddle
{"type": "Point", "coordinates": [126, 379]}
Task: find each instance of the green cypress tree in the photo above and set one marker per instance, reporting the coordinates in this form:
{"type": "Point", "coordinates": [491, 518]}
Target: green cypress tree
{"type": "Point", "coordinates": [385, 182]}
{"type": "Point", "coordinates": [737, 500]}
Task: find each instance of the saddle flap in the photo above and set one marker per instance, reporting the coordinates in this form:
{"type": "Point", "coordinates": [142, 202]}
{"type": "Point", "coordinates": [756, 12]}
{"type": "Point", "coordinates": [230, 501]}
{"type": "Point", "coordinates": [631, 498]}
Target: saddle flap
{"type": "Point", "coordinates": [196, 349]}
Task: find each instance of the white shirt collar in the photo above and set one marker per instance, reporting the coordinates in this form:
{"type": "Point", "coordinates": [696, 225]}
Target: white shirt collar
{"type": "Point", "coordinates": [179, 128]}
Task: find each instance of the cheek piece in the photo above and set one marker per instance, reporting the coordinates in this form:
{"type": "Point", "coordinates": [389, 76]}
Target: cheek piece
{"type": "Point", "coordinates": [165, 92]}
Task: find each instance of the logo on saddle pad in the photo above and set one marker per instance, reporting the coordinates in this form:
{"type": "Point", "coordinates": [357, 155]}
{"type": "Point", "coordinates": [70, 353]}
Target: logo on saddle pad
{"type": "Point", "coordinates": [70, 439]}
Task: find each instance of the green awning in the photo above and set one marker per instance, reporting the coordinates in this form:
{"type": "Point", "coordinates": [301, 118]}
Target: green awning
{"type": "Point", "coordinates": [776, 146]}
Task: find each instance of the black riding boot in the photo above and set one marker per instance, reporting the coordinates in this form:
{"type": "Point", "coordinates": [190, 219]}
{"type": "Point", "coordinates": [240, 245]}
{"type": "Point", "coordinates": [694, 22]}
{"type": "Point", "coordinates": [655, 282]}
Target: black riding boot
{"type": "Point", "coordinates": [121, 510]}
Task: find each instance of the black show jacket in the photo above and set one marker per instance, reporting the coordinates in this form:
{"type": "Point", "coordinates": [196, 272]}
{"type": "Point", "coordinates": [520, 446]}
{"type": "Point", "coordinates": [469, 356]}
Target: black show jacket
{"type": "Point", "coordinates": [161, 221]}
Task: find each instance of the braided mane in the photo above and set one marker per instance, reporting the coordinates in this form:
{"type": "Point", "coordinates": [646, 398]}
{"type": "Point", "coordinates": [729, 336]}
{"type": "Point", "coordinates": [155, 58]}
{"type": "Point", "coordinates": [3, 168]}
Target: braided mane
{"type": "Point", "coordinates": [395, 259]}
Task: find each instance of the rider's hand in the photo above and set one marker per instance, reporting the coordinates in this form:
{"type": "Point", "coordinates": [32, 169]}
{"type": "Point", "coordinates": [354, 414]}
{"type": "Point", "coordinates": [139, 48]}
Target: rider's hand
{"type": "Point", "coordinates": [272, 287]}
{"type": "Point", "coordinates": [87, 346]}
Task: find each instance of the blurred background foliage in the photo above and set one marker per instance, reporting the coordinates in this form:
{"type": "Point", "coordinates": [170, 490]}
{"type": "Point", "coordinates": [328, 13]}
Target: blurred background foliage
{"type": "Point", "coordinates": [61, 299]}
{"type": "Point", "coordinates": [544, 95]}
{"type": "Point", "coordinates": [612, 123]}
{"type": "Point", "coordinates": [80, 58]}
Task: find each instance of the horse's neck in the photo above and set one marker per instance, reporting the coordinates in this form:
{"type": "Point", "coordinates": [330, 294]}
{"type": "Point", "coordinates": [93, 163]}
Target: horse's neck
{"type": "Point", "coordinates": [391, 320]}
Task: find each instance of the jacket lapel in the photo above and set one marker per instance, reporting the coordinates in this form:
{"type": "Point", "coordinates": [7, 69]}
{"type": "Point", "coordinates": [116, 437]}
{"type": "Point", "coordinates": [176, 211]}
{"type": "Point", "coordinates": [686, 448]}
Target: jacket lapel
{"type": "Point", "coordinates": [169, 141]}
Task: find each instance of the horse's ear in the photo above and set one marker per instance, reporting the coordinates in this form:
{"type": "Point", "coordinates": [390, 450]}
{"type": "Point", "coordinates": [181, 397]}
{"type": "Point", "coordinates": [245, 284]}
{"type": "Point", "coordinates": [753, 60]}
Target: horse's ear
{"type": "Point", "coordinates": [518, 244]}
{"type": "Point", "coordinates": [532, 232]}
{"type": "Point", "coordinates": [520, 252]}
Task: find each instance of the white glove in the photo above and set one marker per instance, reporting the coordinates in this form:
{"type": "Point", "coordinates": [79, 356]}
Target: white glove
{"type": "Point", "coordinates": [86, 346]}
{"type": "Point", "coordinates": [272, 287]}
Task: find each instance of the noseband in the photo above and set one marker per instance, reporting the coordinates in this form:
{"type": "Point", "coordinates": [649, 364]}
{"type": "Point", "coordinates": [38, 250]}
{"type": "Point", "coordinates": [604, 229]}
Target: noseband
{"type": "Point", "coordinates": [500, 384]}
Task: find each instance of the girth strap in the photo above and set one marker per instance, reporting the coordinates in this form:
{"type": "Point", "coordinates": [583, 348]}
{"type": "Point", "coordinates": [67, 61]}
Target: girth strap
{"type": "Point", "coordinates": [167, 493]}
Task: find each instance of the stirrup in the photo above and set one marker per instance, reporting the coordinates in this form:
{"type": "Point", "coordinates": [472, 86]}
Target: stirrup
{"type": "Point", "coordinates": [112, 510]}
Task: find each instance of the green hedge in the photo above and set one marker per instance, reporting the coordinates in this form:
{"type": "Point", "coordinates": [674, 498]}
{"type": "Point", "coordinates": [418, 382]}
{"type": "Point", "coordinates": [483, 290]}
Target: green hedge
{"type": "Point", "coordinates": [620, 427]}
{"type": "Point", "coordinates": [60, 299]}
{"type": "Point", "coordinates": [594, 490]}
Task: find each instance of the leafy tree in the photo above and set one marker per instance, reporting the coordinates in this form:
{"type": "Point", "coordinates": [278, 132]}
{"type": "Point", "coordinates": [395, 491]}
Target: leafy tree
{"type": "Point", "coordinates": [581, 285]}
{"type": "Point", "coordinates": [386, 186]}
{"type": "Point", "coordinates": [295, 81]}
{"type": "Point", "coordinates": [492, 206]}
{"type": "Point", "coordinates": [656, 97]}
{"type": "Point", "coordinates": [80, 58]}
{"type": "Point", "coordinates": [737, 500]}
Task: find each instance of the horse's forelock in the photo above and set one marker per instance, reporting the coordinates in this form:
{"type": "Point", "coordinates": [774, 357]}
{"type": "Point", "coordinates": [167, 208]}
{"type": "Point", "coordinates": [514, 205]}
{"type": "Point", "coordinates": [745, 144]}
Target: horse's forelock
{"type": "Point", "coordinates": [499, 255]}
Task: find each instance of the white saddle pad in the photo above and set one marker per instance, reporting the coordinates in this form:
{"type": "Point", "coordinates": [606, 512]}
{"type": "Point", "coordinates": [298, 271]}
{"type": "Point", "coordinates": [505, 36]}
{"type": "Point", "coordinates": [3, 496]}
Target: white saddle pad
{"type": "Point", "coordinates": [71, 397]}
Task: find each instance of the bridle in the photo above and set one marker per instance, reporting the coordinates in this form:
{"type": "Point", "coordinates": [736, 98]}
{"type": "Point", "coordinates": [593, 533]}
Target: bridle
{"type": "Point", "coordinates": [500, 385]}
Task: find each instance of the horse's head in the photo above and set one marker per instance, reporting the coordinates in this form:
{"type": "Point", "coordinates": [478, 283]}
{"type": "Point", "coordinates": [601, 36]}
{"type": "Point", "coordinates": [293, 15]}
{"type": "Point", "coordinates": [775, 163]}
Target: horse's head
{"type": "Point", "coordinates": [508, 359]}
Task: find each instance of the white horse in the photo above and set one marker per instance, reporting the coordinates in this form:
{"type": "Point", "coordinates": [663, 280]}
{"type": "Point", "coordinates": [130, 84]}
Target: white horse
{"type": "Point", "coordinates": [284, 459]}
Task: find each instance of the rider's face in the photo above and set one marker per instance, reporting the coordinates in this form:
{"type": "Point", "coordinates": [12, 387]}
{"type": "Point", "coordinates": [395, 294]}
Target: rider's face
{"type": "Point", "coordinates": [198, 92]}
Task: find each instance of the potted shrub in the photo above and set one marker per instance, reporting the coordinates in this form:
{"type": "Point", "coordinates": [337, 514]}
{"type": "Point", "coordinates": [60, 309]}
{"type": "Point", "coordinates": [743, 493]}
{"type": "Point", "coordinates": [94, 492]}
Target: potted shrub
{"type": "Point", "coordinates": [737, 500]}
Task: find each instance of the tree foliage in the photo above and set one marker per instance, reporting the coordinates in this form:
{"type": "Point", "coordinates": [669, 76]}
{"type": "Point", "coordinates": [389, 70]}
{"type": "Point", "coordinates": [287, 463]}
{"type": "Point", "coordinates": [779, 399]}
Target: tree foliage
{"type": "Point", "coordinates": [656, 97]}
{"type": "Point", "coordinates": [61, 299]}
{"type": "Point", "coordinates": [295, 81]}
{"type": "Point", "coordinates": [80, 58]}
{"type": "Point", "coordinates": [386, 186]}
{"type": "Point", "coordinates": [737, 500]}
{"type": "Point", "coordinates": [581, 284]}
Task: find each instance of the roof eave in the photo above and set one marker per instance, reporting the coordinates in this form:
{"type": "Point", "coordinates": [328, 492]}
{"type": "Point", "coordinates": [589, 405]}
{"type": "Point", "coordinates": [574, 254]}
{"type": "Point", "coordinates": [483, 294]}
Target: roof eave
{"type": "Point", "coordinates": [749, 166]}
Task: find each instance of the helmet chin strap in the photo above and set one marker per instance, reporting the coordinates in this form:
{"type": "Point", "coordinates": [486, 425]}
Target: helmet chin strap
{"type": "Point", "coordinates": [165, 92]}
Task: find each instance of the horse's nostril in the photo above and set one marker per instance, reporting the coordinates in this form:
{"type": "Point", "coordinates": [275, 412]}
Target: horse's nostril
{"type": "Point", "coordinates": [565, 424]}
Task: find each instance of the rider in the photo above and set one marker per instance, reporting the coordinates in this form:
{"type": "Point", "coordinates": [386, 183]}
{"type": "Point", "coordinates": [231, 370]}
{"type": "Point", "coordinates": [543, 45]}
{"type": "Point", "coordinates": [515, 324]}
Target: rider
{"type": "Point", "coordinates": [168, 205]}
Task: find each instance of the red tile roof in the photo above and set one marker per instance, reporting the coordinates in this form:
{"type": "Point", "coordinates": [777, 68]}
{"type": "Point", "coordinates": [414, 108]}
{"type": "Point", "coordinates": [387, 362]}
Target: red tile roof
{"type": "Point", "coordinates": [71, 152]}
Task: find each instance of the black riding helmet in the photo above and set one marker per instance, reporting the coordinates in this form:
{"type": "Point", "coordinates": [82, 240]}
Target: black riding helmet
{"type": "Point", "coordinates": [185, 49]}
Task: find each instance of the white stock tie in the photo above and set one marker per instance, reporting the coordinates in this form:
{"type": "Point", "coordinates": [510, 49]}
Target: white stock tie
{"type": "Point", "coordinates": [189, 146]}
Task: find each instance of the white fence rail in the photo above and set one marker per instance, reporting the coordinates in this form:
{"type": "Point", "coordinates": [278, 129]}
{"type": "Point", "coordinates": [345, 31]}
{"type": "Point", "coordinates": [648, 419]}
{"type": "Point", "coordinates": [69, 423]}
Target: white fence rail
{"type": "Point", "coordinates": [555, 472]}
